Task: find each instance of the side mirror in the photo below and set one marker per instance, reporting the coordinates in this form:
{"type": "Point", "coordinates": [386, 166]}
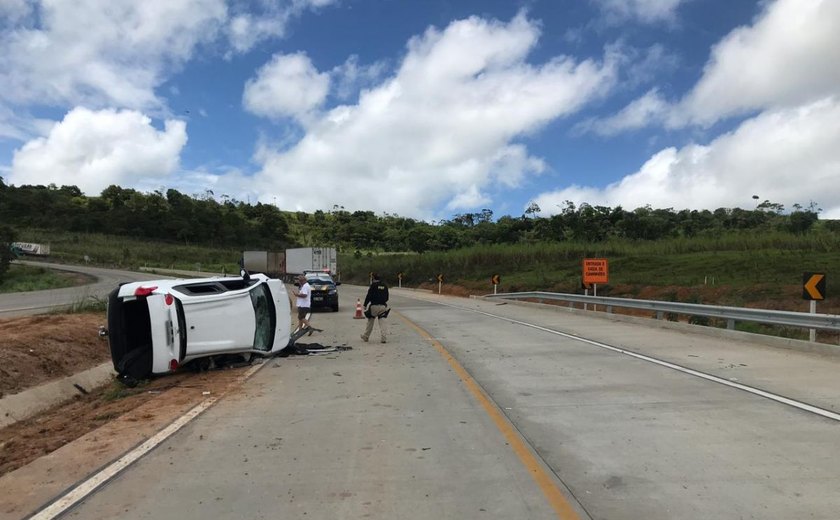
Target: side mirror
{"type": "Point", "coordinates": [244, 274]}
{"type": "Point", "coordinates": [337, 283]}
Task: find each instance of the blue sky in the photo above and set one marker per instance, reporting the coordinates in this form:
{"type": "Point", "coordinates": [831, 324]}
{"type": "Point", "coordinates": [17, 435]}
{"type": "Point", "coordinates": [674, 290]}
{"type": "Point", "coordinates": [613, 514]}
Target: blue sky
{"type": "Point", "coordinates": [428, 108]}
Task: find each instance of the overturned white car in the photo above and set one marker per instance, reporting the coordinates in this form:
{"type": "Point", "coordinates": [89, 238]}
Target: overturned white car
{"type": "Point", "coordinates": [156, 326]}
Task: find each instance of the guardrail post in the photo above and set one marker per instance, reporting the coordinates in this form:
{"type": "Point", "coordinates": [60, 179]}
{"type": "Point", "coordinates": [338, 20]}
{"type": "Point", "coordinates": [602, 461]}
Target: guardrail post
{"type": "Point", "coordinates": [730, 324]}
{"type": "Point", "coordinates": [659, 315]}
{"type": "Point", "coordinates": [609, 309]}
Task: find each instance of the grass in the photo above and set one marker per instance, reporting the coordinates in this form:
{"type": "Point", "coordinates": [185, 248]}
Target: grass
{"type": "Point", "coordinates": [740, 260]}
{"type": "Point", "coordinates": [129, 253]}
{"type": "Point", "coordinates": [735, 268]}
{"type": "Point", "coordinates": [118, 391]}
{"type": "Point", "coordinates": [24, 278]}
{"type": "Point", "coordinates": [88, 304]}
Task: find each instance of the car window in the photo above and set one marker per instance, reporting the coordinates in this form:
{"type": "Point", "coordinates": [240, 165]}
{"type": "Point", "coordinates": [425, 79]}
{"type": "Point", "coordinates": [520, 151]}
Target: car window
{"type": "Point", "coordinates": [200, 288]}
{"type": "Point", "coordinates": [319, 278]}
{"type": "Point", "coordinates": [235, 284]}
{"type": "Point", "coordinates": [264, 315]}
{"type": "Point", "coordinates": [214, 287]}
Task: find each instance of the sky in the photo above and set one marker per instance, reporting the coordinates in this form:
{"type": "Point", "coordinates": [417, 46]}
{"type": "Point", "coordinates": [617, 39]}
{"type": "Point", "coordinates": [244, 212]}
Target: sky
{"type": "Point", "coordinates": [428, 108]}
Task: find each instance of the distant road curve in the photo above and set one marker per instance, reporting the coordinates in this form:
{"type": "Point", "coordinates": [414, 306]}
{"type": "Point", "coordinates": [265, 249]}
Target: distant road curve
{"type": "Point", "coordinates": [37, 302]}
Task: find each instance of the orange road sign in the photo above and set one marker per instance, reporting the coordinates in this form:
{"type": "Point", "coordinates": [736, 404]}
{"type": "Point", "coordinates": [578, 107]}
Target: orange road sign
{"type": "Point", "coordinates": [813, 286]}
{"type": "Point", "coordinates": [595, 270]}
{"type": "Point", "coordinates": [495, 279]}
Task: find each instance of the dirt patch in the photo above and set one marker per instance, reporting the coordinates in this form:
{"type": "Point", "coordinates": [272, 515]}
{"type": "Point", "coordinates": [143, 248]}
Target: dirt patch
{"type": "Point", "coordinates": [69, 443]}
{"type": "Point", "coordinates": [37, 436]}
{"type": "Point", "coordinates": [448, 289]}
{"type": "Point", "coordinates": [38, 349]}
{"type": "Point", "coordinates": [27, 440]}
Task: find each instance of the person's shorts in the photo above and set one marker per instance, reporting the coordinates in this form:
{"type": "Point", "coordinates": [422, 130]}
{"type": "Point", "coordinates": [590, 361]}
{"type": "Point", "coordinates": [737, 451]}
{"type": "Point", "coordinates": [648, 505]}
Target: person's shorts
{"type": "Point", "coordinates": [302, 312]}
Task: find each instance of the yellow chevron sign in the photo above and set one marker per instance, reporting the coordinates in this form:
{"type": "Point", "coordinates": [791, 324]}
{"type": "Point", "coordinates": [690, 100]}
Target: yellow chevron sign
{"type": "Point", "coordinates": [495, 279]}
{"type": "Point", "coordinates": [813, 286]}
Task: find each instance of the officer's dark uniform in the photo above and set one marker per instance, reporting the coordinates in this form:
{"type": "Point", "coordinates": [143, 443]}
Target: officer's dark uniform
{"type": "Point", "coordinates": [377, 298]}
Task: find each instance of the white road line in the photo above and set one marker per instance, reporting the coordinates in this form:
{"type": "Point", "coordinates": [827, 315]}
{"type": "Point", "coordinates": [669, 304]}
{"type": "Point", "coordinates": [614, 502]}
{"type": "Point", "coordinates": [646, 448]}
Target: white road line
{"type": "Point", "coordinates": [755, 391]}
{"type": "Point", "coordinates": [81, 491]}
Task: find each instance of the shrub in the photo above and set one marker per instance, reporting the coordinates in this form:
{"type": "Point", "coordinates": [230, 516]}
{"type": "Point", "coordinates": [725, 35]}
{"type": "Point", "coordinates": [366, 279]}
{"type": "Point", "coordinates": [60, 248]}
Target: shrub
{"type": "Point", "coordinates": [7, 236]}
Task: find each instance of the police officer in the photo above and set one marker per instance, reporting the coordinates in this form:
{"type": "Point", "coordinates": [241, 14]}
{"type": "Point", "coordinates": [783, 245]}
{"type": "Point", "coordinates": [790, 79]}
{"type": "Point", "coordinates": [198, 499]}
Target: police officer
{"type": "Point", "coordinates": [376, 303]}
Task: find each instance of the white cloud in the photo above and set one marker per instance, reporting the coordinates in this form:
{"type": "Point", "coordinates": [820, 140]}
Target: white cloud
{"type": "Point", "coordinates": [350, 77]}
{"type": "Point", "coordinates": [787, 156]}
{"type": "Point", "coordinates": [247, 27]}
{"type": "Point", "coordinates": [94, 149]}
{"type": "Point", "coordinates": [441, 131]}
{"type": "Point", "coordinates": [14, 11]}
{"type": "Point", "coordinates": [246, 30]}
{"type": "Point", "coordinates": [646, 11]}
{"type": "Point", "coordinates": [646, 65]}
{"type": "Point", "coordinates": [638, 114]}
{"type": "Point", "coordinates": [287, 86]}
{"type": "Point", "coordinates": [76, 52]}
{"type": "Point", "coordinates": [786, 58]}
{"type": "Point", "coordinates": [789, 56]}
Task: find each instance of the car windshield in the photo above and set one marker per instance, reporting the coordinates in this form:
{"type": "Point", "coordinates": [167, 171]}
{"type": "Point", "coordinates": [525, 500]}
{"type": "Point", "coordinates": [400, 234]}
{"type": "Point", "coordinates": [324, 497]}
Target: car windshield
{"type": "Point", "coordinates": [319, 279]}
{"type": "Point", "coordinates": [264, 315]}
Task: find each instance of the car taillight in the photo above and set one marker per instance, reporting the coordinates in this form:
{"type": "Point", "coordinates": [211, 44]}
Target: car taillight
{"type": "Point", "coordinates": [168, 299]}
{"type": "Point", "coordinates": [144, 291]}
{"type": "Point", "coordinates": [173, 365]}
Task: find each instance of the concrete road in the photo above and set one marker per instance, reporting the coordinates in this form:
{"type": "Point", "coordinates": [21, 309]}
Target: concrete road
{"type": "Point", "coordinates": [476, 409]}
{"type": "Point", "coordinates": [35, 302]}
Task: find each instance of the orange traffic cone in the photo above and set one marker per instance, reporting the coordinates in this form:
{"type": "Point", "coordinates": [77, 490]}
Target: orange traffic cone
{"type": "Point", "coordinates": [359, 315]}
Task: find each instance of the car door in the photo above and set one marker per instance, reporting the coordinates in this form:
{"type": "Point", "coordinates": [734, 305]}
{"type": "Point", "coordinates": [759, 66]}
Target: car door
{"type": "Point", "coordinates": [164, 332]}
{"type": "Point", "coordinates": [219, 324]}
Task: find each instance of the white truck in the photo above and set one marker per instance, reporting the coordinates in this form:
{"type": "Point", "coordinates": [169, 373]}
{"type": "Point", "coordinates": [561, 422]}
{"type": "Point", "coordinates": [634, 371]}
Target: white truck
{"type": "Point", "coordinates": [291, 262]}
{"type": "Point", "coordinates": [272, 263]}
{"type": "Point", "coordinates": [28, 248]}
{"type": "Point", "coordinates": [304, 259]}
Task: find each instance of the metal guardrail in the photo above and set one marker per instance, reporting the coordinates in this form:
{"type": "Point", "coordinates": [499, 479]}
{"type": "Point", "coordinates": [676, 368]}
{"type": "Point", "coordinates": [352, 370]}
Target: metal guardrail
{"type": "Point", "coordinates": [730, 314]}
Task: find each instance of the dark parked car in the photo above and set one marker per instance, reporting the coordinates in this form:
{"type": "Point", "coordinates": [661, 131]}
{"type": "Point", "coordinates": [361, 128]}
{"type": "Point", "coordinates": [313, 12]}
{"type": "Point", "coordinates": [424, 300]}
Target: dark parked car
{"type": "Point", "coordinates": [324, 290]}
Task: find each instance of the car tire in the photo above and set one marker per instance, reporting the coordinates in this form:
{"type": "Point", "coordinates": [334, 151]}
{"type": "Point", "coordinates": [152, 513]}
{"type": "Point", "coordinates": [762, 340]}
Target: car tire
{"type": "Point", "coordinates": [335, 309]}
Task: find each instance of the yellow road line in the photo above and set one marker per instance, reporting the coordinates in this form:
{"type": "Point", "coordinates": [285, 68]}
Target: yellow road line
{"type": "Point", "coordinates": [555, 496]}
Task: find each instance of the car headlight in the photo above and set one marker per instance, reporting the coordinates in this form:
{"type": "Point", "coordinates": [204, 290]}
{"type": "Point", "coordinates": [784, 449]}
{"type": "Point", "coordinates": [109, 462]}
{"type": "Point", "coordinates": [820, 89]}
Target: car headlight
{"type": "Point", "coordinates": [333, 291]}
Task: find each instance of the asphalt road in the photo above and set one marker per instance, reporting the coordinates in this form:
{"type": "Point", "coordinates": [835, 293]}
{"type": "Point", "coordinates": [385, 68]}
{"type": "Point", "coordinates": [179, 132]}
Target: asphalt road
{"type": "Point", "coordinates": [36, 302]}
{"type": "Point", "coordinates": [478, 409]}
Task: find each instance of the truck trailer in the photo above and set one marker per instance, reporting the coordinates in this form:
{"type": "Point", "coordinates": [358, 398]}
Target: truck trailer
{"type": "Point", "coordinates": [272, 263]}
{"type": "Point", "coordinates": [303, 259]}
{"type": "Point", "coordinates": [28, 248]}
{"type": "Point", "coordinates": [291, 262]}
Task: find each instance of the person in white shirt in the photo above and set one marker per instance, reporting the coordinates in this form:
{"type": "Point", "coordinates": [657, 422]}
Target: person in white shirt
{"type": "Point", "coordinates": [303, 294]}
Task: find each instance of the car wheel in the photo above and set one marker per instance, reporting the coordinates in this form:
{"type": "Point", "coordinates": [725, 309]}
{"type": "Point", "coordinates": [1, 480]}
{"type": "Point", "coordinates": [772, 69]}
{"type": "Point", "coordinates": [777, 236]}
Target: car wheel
{"type": "Point", "coordinates": [335, 309]}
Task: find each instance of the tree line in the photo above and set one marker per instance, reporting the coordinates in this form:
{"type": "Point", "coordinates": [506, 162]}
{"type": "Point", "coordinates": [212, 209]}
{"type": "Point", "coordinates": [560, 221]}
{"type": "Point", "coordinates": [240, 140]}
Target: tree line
{"type": "Point", "coordinates": [205, 219]}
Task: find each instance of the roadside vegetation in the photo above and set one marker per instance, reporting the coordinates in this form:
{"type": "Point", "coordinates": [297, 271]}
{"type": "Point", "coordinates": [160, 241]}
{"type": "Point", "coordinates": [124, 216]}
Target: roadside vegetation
{"type": "Point", "coordinates": [737, 259]}
{"type": "Point", "coordinates": [728, 255]}
{"type": "Point", "coordinates": [22, 278]}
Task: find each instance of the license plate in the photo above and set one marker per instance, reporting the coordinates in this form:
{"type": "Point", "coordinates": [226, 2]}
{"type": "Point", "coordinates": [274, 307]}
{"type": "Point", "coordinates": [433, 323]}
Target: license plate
{"type": "Point", "coordinates": [317, 298]}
